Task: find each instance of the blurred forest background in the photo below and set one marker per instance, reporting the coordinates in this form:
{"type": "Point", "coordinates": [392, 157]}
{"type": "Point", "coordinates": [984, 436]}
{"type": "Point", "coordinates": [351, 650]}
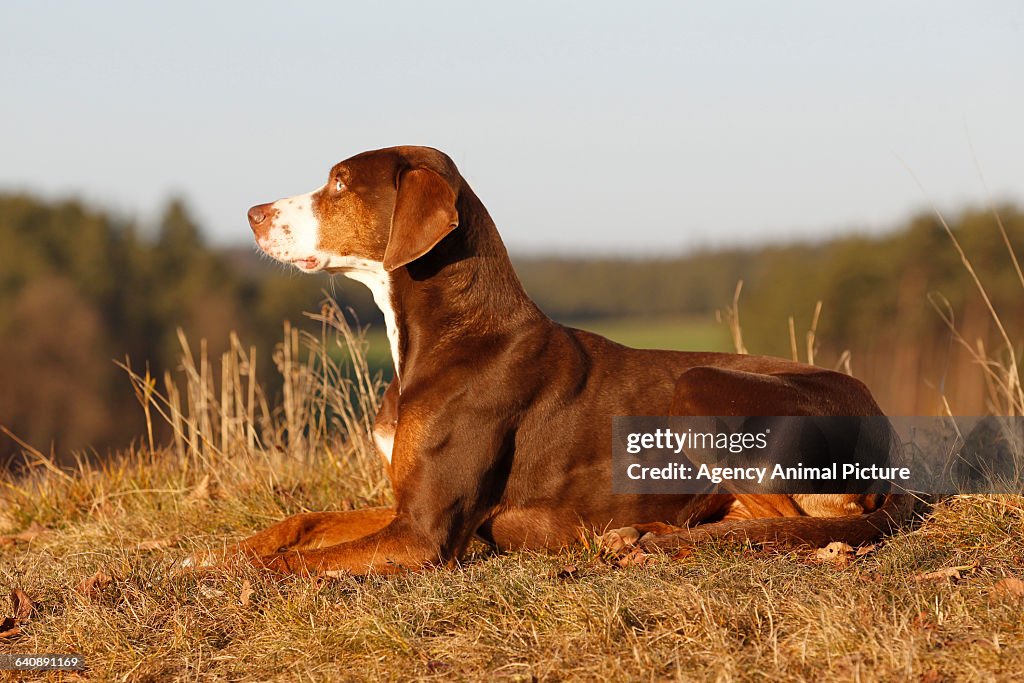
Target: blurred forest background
{"type": "Point", "coordinates": [81, 288]}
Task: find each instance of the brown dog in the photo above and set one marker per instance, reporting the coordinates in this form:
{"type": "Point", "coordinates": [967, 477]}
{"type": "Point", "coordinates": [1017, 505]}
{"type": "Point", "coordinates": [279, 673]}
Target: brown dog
{"type": "Point", "coordinates": [498, 422]}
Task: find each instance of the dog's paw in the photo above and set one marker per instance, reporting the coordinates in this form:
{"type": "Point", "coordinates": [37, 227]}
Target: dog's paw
{"type": "Point", "coordinates": [619, 539]}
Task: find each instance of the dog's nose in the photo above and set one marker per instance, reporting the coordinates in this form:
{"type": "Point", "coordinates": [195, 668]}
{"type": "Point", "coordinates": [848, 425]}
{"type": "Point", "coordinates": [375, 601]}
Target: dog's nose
{"type": "Point", "coordinates": [257, 215]}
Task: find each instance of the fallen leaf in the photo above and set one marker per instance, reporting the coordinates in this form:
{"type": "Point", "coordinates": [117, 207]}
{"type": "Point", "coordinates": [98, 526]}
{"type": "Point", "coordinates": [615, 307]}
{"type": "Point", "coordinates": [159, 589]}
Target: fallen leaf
{"type": "Point", "coordinates": [683, 553]}
{"type": "Point", "coordinates": [11, 626]}
{"type": "Point", "coordinates": [211, 593]}
{"type": "Point", "coordinates": [948, 573]}
{"type": "Point", "coordinates": [634, 558]}
{"type": "Point", "coordinates": [837, 553]}
{"type": "Point", "coordinates": [94, 585]}
{"type": "Point", "coordinates": [247, 592]}
{"type": "Point", "coordinates": [865, 549]}
{"type": "Point", "coordinates": [952, 573]}
{"type": "Point", "coordinates": [1010, 587]}
{"type": "Point", "coordinates": [158, 544]}
{"type": "Point", "coordinates": [567, 572]}
{"type": "Point", "coordinates": [34, 530]}
{"type": "Point", "coordinates": [22, 604]}
{"type": "Point", "coordinates": [933, 676]}
{"type": "Point", "coordinates": [203, 491]}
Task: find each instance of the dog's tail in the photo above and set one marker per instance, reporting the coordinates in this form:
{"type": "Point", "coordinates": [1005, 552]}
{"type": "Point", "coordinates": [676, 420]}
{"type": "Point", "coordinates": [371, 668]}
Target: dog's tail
{"type": "Point", "coordinates": [815, 532]}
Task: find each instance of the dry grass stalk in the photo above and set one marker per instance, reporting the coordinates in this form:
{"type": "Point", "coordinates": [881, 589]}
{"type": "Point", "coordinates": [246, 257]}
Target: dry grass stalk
{"type": "Point", "coordinates": [1002, 374]}
{"type": "Point", "coordinates": [811, 333]}
{"type": "Point", "coordinates": [731, 316]}
{"type": "Point", "coordinates": [329, 398]}
{"type": "Point", "coordinates": [792, 341]}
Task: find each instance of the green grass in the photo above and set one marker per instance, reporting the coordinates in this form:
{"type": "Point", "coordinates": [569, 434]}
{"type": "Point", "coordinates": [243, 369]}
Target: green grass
{"type": "Point", "coordinates": [378, 352]}
{"type": "Point", "coordinates": [677, 334]}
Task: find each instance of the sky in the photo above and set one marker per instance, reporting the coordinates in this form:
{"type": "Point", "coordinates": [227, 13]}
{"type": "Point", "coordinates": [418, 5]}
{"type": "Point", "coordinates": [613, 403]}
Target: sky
{"type": "Point", "coordinates": [585, 127]}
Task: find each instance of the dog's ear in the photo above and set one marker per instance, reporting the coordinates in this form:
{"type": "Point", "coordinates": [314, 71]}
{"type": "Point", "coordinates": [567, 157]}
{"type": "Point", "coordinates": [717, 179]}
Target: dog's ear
{"type": "Point", "coordinates": [424, 213]}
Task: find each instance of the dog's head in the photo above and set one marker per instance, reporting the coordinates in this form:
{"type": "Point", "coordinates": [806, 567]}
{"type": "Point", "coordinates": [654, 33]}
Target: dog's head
{"type": "Point", "coordinates": [379, 209]}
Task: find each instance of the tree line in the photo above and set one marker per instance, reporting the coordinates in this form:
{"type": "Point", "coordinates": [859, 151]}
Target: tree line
{"type": "Point", "coordinates": [885, 299]}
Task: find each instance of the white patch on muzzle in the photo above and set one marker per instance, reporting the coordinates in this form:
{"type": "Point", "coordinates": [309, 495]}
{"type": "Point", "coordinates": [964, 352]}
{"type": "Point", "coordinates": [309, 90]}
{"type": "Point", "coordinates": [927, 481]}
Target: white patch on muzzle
{"type": "Point", "coordinates": [294, 233]}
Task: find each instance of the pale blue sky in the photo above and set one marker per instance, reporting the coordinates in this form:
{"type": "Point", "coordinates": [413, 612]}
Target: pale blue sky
{"type": "Point", "coordinates": [585, 126]}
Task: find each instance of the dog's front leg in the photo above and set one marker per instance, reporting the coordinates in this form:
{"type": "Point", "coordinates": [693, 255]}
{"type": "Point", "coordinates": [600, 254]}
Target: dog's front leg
{"type": "Point", "coordinates": [312, 530]}
{"type": "Point", "coordinates": [399, 545]}
{"type": "Point", "coordinates": [447, 478]}
{"type": "Point", "coordinates": [304, 531]}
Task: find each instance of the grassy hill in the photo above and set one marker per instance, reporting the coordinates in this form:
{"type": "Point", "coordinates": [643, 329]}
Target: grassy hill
{"type": "Point", "coordinates": [97, 551]}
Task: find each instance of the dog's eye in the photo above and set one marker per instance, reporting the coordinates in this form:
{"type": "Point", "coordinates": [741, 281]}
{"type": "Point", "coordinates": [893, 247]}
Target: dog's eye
{"type": "Point", "coordinates": [339, 186]}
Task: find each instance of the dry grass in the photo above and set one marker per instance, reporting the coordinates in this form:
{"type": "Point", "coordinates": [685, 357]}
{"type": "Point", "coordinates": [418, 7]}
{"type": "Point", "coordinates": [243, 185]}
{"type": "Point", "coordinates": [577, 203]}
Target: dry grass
{"type": "Point", "coordinates": [239, 460]}
{"type": "Point", "coordinates": [723, 613]}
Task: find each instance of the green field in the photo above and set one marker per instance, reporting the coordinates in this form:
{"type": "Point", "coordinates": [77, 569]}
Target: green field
{"type": "Point", "coordinates": [679, 334]}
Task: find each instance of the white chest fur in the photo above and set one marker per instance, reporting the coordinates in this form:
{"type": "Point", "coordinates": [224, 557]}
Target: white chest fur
{"type": "Point", "coordinates": [378, 281]}
{"type": "Point", "coordinates": [373, 275]}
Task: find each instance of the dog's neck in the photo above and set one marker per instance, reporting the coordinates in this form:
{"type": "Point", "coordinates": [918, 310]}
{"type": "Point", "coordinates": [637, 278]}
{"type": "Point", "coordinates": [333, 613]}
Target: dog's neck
{"type": "Point", "coordinates": [463, 289]}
